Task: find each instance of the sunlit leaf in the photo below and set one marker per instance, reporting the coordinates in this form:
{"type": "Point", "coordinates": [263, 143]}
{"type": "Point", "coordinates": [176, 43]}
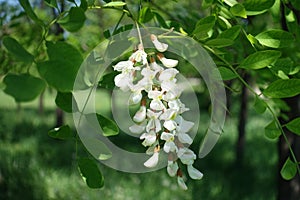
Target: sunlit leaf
{"type": "Point", "coordinates": [115, 4]}
{"type": "Point", "coordinates": [283, 88]}
{"type": "Point", "coordinates": [272, 131]}
{"type": "Point", "coordinates": [289, 169]}
{"type": "Point", "coordinates": [238, 10]}
{"type": "Point", "coordinates": [74, 20]}
{"type": "Point", "coordinates": [275, 38]}
{"type": "Point", "coordinates": [260, 59]}
{"type": "Point", "coordinates": [29, 11]}
{"type": "Point", "coordinates": [256, 7]}
{"type": "Point", "coordinates": [203, 26]}
{"type": "Point", "coordinates": [160, 20]}
{"type": "Point", "coordinates": [108, 126]}
{"type": "Point", "coordinates": [17, 50]}
{"type": "Point", "coordinates": [23, 87]}
{"type": "Point", "coordinates": [294, 126]}
{"type": "Point", "coordinates": [90, 173]}
{"type": "Point", "coordinates": [64, 132]}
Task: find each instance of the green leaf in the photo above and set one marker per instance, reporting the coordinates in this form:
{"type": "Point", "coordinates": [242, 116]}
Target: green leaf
{"type": "Point", "coordinates": [64, 132]}
{"type": "Point", "coordinates": [160, 20]}
{"type": "Point", "coordinates": [90, 173]}
{"type": "Point", "coordinates": [74, 20]}
{"type": "Point", "coordinates": [256, 7]}
{"type": "Point", "coordinates": [238, 10]}
{"type": "Point", "coordinates": [115, 4]}
{"type": "Point", "coordinates": [107, 81]}
{"type": "Point", "coordinates": [23, 87]}
{"type": "Point", "coordinates": [108, 126]}
{"type": "Point", "coordinates": [59, 74]}
{"type": "Point", "coordinates": [52, 3]}
{"type": "Point", "coordinates": [145, 15]}
{"type": "Point", "coordinates": [14, 47]}
{"type": "Point", "coordinates": [260, 105]}
{"type": "Point", "coordinates": [84, 5]}
{"type": "Point", "coordinates": [97, 148]}
{"type": "Point", "coordinates": [283, 88]}
{"type": "Point", "coordinates": [29, 11]}
{"type": "Point", "coordinates": [296, 4]}
{"type": "Point", "coordinates": [117, 48]}
{"type": "Point", "coordinates": [203, 26]}
{"type": "Point", "coordinates": [64, 52]}
{"type": "Point", "coordinates": [272, 131]}
{"type": "Point", "coordinates": [65, 101]}
{"type": "Point", "coordinates": [275, 38]}
{"type": "Point", "coordinates": [231, 33]}
{"type": "Point", "coordinates": [227, 74]}
{"type": "Point", "coordinates": [294, 126]}
{"type": "Point", "coordinates": [230, 2]}
{"type": "Point", "coordinates": [260, 59]}
{"type": "Point", "coordinates": [220, 42]}
{"type": "Point", "coordinates": [289, 170]}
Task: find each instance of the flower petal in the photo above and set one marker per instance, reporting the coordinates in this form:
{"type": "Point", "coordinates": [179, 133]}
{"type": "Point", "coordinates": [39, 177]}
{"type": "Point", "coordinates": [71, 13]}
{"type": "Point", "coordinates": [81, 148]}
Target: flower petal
{"type": "Point", "coordinates": [169, 63]}
{"type": "Point", "coordinates": [123, 65]}
{"type": "Point", "coordinates": [181, 183]}
{"type": "Point", "coordinates": [152, 161]}
{"type": "Point", "coordinates": [140, 115]}
{"type": "Point", "coordinates": [157, 105]}
{"type": "Point", "coordinates": [135, 98]}
{"type": "Point", "coordinates": [194, 173]}
{"type": "Point", "coordinates": [137, 129]}
{"type": "Point", "coordinates": [170, 125]}
{"type": "Point", "coordinates": [185, 138]}
{"type": "Point", "coordinates": [172, 168]}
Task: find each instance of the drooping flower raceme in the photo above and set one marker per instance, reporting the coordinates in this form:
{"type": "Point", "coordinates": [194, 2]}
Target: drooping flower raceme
{"type": "Point", "coordinates": [158, 121]}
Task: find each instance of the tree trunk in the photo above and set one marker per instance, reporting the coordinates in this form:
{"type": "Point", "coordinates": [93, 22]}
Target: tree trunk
{"type": "Point", "coordinates": [242, 123]}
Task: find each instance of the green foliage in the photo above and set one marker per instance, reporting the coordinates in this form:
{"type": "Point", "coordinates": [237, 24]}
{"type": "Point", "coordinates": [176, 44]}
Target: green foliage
{"type": "Point", "coordinates": [23, 87]}
{"type": "Point", "coordinates": [90, 173]}
{"type": "Point", "coordinates": [52, 3]}
{"type": "Point", "coordinates": [283, 88]}
{"type": "Point", "coordinates": [260, 105]}
{"type": "Point", "coordinates": [226, 73]}
{"type": "Point", "coordinates": [275, 38]}
{"type": "Point", "coordinates": [294, 126]}
{"type": "Point", "coordinates": [145, 15]}
{"type": "Point", "coordinates": [256, 7]}
{"type": "Point", "coordinates": [74, 20]}
{"type": "Point", "coordinates": [260, 59]}
{"type": "Point", "coordinates": [288, 170]}
{"type": "Point", "coordinates": [98, 149]}
{"type": "Point", "coordinates": [29, 11]}
{"type": "Point", "coordinates": [272, 131]}
{"type": "Point", "coordinates": [203, 26]}
{"type": "Point", "coordinates": [115, 4]}
{"type": "Point", "coordinates": [65, 101]}
{"type": "Point", "coordinates": [107, 81]}
{"type": "Point", "coordinates": [64, 132]}
{"type": "Point", "coordinates": [108, 126]}
{"type": "Point", "coordinates": [17, 50]}
{"type": "Point", "coordinates": [238, 10]}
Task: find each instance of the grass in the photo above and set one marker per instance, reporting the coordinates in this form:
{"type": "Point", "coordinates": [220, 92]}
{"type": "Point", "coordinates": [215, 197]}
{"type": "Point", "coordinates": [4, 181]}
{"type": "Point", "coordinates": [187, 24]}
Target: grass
{"type": "Point", "coordinates": [35, 166]}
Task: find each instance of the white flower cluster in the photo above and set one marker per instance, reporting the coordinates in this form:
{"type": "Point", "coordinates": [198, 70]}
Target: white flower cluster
{"type": "Point", "coordinates": [158, 119]}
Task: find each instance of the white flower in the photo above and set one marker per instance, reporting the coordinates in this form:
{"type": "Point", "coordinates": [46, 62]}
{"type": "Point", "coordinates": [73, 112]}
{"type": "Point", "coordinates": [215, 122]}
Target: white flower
{"type": "Point", "coordinates": [181, 183]}
{"type": "Point", "coordinates": [186, 156]}
{"type": "Point", "coordinates": [137, 128]}
{"type": "Point", "coordinates": [194, 173]}
{"type": "Point", "coordinates": [169, 145]}
{"type": "Point", "coordinates": [169, 63]}
{"type": "Point", "coordinates": [183, 125]}
{"type": "Point", "coordinates": [152, 161]}
{"type": "Point", "coordinates": [135, 98]}
{"type": "Point", "coordinates": [168, 75]}
{"type": "Point", "coordinates": [170, 125]}
{"type": "Point", "coordinates": [139, 56]}
{"type": "Point", "coordinates": [124, 81]}
{"type": "Point", "coordinates": [156, 67]}
{"type": "Point", "coordinates": [123, 65]}
{"type": "Point", "coordinates": [153, 122]}
{"type": "Point", "coordinates": [172, 168]}
{"type": "Point", "coordinates": [149, 137]}
{"type": "Point", "coordinates": [177, 105]}
{"type": "Point", "coordinates": [184, 138]}
{"type": "Point", "coordinates": [156, 103]}
{"type": "Point", "coordinates": [158, 45]}
{"type": "Point", "coordinates": [140, 115]}
{"type": "Point", "coordinates": [168, 114]}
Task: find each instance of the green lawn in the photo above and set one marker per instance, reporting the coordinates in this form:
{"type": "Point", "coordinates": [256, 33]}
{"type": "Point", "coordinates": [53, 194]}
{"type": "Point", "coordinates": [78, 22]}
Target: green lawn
{"type": "Point", "coordinates": [35, 166]}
